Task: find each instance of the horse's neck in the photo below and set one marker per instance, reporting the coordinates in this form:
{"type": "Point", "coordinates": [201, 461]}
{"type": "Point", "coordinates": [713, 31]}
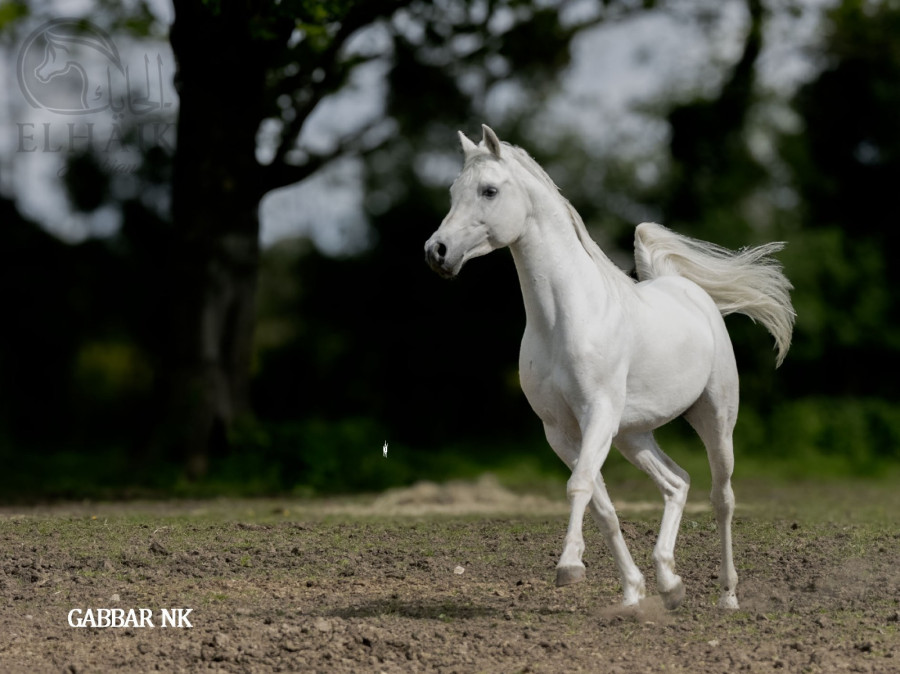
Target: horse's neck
{"type": "Point", "coordinates": [560, 279]}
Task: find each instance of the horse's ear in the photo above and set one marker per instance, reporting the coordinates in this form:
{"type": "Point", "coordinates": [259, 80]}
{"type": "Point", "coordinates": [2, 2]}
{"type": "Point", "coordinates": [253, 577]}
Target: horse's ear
{"type": "Point", "coordinates": [468, 146]}
{"type": "Point", "coordinates": [490, 140]}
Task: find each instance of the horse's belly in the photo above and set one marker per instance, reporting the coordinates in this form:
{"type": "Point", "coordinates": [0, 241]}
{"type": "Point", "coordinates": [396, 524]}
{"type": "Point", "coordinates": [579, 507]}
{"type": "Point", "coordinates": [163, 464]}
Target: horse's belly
{"type": "Point", "coordinates": [646, 412]}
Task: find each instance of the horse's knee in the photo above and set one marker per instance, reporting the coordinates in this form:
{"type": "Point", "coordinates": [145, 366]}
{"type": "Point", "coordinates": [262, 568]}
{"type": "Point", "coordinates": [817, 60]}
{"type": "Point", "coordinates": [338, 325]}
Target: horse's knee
{"type": "Point", "coordinates": [722, 497]}
{"type": "Point", "coordinates": [579, 485]}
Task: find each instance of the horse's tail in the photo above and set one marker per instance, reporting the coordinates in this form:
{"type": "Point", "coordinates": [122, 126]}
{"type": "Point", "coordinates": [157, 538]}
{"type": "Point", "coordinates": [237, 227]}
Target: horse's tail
{"type": "Point", "coordinates": [748, 281]}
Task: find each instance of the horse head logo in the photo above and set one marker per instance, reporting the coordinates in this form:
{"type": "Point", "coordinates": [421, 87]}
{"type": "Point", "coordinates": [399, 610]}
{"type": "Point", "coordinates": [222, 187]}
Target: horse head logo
{"type": "Point", "coordinates": [66, 66]}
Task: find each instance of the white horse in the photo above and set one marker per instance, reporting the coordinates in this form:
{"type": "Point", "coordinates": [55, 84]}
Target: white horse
{"type": "Point", "coordinates": [604, 360]}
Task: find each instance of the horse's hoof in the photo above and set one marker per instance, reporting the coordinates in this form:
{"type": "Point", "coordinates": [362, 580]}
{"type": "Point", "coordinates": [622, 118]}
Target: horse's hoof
{"type": "Point", "coordinates": [673, 597]}
{"type": "Point", "coordinates": [728, 600]}
{"type": "Point", "coordinates": [569, 575]}
{"type": "Point", "coordinates": [634, 595]}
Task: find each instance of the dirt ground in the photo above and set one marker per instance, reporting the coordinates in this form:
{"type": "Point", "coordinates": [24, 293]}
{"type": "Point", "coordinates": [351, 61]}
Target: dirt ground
{"type": "Point", "coordinates": [454, 578]}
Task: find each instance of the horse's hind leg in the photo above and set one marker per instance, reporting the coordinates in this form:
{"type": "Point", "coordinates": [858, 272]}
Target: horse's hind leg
{"type": "Point", "coordinates": [641, 450]}
{"type": "Point", "coordinates": [714, 422]}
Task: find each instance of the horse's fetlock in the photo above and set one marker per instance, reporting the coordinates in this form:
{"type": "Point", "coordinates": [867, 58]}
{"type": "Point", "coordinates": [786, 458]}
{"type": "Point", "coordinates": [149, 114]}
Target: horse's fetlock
{"type": "Point", "coordinates": [665, 561]}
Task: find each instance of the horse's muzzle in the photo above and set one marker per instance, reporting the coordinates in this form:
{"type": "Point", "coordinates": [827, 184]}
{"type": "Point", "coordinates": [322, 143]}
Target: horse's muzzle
{"type": "Point", "coordinates": [436, 257]}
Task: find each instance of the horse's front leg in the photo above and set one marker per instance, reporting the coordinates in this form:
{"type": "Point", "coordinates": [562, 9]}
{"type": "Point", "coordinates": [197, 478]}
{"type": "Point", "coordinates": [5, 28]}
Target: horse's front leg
{"type": "Point", "coordinates": [602, 508]}
{"type": "Point", "coordinates": [586, 487]}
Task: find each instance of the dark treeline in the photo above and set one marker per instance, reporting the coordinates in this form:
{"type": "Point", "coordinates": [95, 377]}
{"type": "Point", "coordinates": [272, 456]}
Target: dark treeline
{"type": "Point", "coordinates": [105, 381]}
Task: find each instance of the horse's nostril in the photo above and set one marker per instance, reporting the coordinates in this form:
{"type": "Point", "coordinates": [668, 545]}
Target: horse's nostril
{"type": "Point", "coordinates": [440, 250]}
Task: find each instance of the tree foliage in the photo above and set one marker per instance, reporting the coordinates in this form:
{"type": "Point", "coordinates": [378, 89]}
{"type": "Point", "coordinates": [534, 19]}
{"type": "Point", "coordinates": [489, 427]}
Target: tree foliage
{"type": "Point", "coordinates": [844, 160]}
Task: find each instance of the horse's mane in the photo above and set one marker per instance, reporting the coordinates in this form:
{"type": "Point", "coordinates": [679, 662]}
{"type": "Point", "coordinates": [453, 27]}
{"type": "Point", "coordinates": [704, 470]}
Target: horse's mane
{"type": "Point", "coordinates": [527, 162]}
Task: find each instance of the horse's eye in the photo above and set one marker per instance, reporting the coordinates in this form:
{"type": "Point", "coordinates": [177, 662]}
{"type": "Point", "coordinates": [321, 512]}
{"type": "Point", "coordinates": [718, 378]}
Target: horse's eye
{"type": "Point", "coordinates": [489, 192]}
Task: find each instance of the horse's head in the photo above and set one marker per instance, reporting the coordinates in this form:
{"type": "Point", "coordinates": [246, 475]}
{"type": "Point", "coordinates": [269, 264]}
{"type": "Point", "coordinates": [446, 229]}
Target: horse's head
{"type": "Point", "coordinates": [488, 208]}
{"type": "Point", "coordinates": [58, 58]}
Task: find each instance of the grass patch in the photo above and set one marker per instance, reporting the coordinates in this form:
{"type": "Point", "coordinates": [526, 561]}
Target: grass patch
{"type": "Point", "coordinates": [825, 440]}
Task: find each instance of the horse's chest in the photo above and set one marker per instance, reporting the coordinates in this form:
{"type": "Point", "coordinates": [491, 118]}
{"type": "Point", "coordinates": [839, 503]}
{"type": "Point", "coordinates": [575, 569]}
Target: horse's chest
{"type": "Point", "coordinates": [544, 394]}
{"type": "Point", "coordinates": [535, 378]}
{"type": "Point", "coordinates": [555, 381]}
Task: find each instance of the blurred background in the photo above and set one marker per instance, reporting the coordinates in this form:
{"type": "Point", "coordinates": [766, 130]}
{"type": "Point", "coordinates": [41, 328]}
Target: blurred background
{"type": "Point", "coordinates": [212, 217]}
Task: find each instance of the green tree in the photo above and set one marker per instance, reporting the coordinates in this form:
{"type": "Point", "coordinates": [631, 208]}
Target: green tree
{"type": "Point", "coordinates": [712, 169]}
{"type": "Point", "coordinates": [845, 161]}
{"type": "Point", "coordinates": [282, 60]}
{"type": "Point", "coordinates": [239, 63]}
